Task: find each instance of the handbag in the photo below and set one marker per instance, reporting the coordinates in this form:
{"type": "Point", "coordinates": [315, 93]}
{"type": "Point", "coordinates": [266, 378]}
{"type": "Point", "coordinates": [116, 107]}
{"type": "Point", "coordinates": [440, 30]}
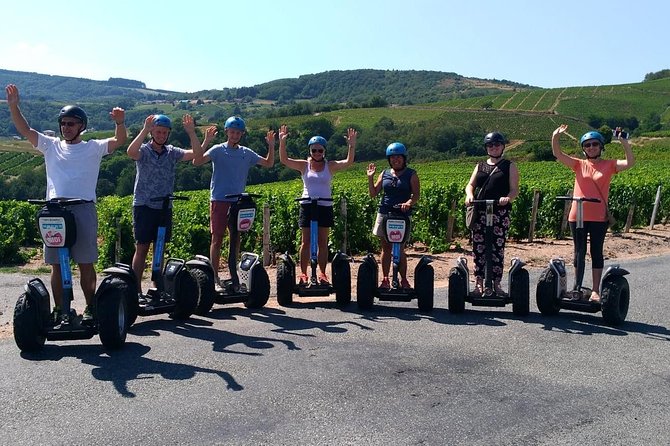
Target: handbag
{"type": "Point", "coordinates": [470, 211]}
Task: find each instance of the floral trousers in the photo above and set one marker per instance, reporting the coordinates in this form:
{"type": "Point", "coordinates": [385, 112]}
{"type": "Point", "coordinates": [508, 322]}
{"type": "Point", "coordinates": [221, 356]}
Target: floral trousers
{"type": "Point", "coordinates": [501, 223]}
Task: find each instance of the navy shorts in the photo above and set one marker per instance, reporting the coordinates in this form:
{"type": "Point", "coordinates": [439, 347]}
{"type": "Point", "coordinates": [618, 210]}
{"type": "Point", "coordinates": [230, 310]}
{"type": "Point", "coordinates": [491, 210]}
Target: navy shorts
{"type": "Point", "coordinates": [146, 221]}
{"type": "Point", "coordinates": [325, 218]}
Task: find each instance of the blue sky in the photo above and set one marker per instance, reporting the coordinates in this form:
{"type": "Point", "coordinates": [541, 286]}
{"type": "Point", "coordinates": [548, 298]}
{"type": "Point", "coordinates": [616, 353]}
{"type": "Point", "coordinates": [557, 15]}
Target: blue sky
{"type": "Point", "coordinates": [202, 44]}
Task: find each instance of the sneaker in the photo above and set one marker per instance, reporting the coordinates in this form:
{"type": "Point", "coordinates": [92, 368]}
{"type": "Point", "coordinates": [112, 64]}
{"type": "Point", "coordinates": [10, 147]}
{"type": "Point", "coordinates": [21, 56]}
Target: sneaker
{"type": "Point", "coordinates": [88, 314]}
{"type": "Point", "coordinates": [323, 279]}
{"type": "Point", "coordinates": [142, 299]}
{"type": "Point", "coordinates": [218, 288]}
{"type": "Point", "coordinates": [595, 297]}
{"type": "Point", "coordinates": [405, 284]}
{"type": "Point", "coordinates": [304, 279]}
{"type": "Point", "coordinates": [385, 284]}
{"type": "Point", "coordinates": [56, 315]}
{"type": "Point", "coordinates": [498, 290]}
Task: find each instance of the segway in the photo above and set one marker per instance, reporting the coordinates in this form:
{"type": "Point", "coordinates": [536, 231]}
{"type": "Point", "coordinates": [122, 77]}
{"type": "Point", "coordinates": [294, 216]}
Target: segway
{"type": "Point", "coordinates": [286, 284]}
{"type": "Point", "coordinates": [33, 324]}
{"type": "Point", "coordinates": [459, 278]}
{"type": "Point", "coordinates": [176, 289]}
{"type": "Point", "coordinates": [396, 227]}
{"type": "Point", "coordinates": [552, 294]}
{"type": "Point", "coordinates": [249, 282]}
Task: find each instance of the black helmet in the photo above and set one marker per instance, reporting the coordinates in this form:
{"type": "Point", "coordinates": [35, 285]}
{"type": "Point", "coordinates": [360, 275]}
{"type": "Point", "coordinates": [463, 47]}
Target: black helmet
{"type": "Point", "coordinates": [494, 137]}
{"type": "Point", "coordinates": [73, 111]}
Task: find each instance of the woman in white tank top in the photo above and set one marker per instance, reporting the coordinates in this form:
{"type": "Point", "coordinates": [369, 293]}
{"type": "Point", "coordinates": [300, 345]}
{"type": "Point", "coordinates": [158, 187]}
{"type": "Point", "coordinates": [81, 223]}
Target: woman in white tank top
{"type": "Point", "coordinates": [317, 174]}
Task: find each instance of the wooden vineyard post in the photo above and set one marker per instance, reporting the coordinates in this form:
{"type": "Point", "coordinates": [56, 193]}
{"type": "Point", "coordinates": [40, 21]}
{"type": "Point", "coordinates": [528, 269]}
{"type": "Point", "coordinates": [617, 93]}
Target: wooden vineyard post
{"type": "Point", "coordinates": [657, 202]}
{"type": "Point", "coordinates": [450, 222]}
{"type": "Point", "coordinates": [533, 215]}
{"type": "Point", "coordinates": [266, 235]}
{"type": "Point", "coordinates": [343, 214]}
{"type": "Point", "coordinates": [629, 218]}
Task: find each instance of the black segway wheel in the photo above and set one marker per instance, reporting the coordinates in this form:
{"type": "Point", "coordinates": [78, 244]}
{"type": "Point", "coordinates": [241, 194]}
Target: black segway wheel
{"type": "Point", "coordinates": [29, 334]}
{"type": "Point", "coordinates": [425, 286]}
{"type": "Point", "coordinates": [520, 293]}
{"type": "Point", "coordinates": [615, 300]}
{"type": "Point", "coordinates": [285, 283]}
{"type": "Point", "coordinates": [187, 294]}
{"type": "Point", "coordinates": [342, 282]}
{"type": "Point", "coordinates": [205, 285]}
{"type": "Point", "coordinates": [457, 291]}
{"type": "Point", "coordinates": [365, 286]}
{"type": "Point", "coordinates": [260, 288]}
{"type": "Point", "coordinates": [545, 294]}
{"type": "Point", "coordinates": [111, 312]}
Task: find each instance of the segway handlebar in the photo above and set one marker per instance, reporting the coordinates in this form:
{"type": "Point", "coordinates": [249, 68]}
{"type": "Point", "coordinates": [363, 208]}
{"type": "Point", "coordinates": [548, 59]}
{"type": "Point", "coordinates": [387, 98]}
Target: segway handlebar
{"type": "Point", "coordinates": [308, 199]}
{"type": "Point", "coordinates": [568, 198]}
{"type": "Point", "coordinates": [242, 195]}
{"type": "Point", "coordinates": [59, 201]}
{"type": "Point", "coordinates": [170, 198]}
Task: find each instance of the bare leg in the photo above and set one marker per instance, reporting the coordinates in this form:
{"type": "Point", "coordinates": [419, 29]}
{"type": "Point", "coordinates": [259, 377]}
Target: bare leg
{"type": "Point", "coordinates": [56, 285]}
{"type": "Point", "coordinates": [88, 281]}
{"type": "Point", "coordinates": [304, 250]}
{"type": "Point", "coordinates": [215, 253]}
{"type": "Point", "coordinates": [139, 262]}
{"type": "Point", "coordinates": [386, 257]}
{"type": "Point", "coordinates": [323, 249]}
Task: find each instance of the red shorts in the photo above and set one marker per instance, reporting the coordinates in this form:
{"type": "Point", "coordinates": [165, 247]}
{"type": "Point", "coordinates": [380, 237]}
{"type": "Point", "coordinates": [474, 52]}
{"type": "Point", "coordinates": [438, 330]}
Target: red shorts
{"type": "Point", "coordinates": [218, 217]}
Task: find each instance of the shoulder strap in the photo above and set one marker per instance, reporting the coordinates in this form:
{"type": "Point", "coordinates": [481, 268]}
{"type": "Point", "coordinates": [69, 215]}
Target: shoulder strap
{"type": "Point", "coordinates": [486, 182]}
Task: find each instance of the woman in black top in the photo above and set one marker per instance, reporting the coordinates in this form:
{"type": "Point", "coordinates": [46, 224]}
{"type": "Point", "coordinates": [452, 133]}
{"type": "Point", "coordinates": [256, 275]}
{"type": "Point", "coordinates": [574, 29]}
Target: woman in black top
{"type": "Point", "coordinates": [503, 186]}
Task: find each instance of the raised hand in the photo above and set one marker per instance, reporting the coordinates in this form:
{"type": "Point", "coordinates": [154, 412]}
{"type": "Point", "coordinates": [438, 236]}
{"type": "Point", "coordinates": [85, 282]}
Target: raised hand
{"type": "Point", "coordinates": [561, 129]}
{"type": "Point", "coordinates": [371, 170]}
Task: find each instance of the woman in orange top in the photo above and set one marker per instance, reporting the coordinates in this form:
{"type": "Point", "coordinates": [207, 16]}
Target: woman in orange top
{"type": "Point", "coordinates": [592, 179]}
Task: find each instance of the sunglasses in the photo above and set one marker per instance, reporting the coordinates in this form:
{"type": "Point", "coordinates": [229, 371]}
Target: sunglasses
{"type": "Point", "coordinates": [493, 144]}
{"type": "Point", "coordinates": [317, 150]}
{"type": "Point", "coordinates": [69, 123]}
{"type": "Point", "coordinates": [591, 144]}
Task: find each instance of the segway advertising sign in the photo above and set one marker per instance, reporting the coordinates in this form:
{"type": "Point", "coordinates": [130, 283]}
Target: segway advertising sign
{"type": "Point", "coordinates": [245, 219]}
{"type": "Point", "coordinates": [395, 230]}
{"type": "Point", "coordinates": [52, 230]}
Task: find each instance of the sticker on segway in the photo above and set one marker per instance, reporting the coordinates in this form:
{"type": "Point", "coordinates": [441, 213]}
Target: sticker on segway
{"type": "Point", "coordinates": [395, 230]}
{"type": "Point", "coordinates": [245, 219]}
{"type": "Point", "coordinates": [52, 230]}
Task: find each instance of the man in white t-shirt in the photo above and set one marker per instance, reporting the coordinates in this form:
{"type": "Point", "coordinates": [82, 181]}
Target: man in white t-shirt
{"type": "Point", "coordinates": [72, 168]}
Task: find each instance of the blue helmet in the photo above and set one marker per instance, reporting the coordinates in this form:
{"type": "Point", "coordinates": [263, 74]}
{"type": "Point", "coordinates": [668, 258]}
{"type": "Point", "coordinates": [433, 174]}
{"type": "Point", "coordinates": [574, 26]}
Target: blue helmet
{"type": "Point", "coordinates": [162, 121]}
{"type": "Point", "coordinates": [317, 140]}
{"type": "Point", "coordinates": [592, 135]}
{"type": "Point", "coordinates": [396, 148]}
{"type": "Point", "coordinates": [235, 122]}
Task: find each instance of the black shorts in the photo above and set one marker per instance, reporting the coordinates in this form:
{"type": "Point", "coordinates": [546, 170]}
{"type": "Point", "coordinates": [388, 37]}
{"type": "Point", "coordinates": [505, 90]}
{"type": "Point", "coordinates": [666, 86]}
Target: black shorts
{"type": "Point", "coordinates": [146, 221]}
{"type": "Point", "coordinates": [325, 217]}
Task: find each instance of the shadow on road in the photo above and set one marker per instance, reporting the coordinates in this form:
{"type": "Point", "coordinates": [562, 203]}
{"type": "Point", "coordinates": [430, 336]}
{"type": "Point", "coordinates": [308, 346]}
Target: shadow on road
{"type": "Point", "coordinates": [120, 367]}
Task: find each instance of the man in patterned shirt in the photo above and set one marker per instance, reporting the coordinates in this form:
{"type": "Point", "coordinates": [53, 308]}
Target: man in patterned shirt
{"type": "Point", "coordinates": [155, 161]}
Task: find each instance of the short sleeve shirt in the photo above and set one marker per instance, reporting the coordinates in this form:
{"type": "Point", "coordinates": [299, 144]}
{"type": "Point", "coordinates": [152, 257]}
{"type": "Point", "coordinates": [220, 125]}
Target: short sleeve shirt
{"type": "Point", "coordinates": [72, 169]}
{"type": "Point", "coordinates": [155, 174]}
{"type": "Point", "coordinates": [592, 180]}
{"type": "Point", "coordinates": [230, 168]}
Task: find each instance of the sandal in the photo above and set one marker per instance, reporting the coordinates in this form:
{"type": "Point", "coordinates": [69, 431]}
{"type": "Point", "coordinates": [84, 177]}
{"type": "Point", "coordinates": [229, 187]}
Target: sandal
{"type": "Point", "coordinates": [304, 279]}
{"type": "Point", "coordinates": [595, 297]}
{"type": "Point", "coordinates": [478, 290]}
{"type": "Point", "coordinates": [323, 279]}
{"type": "Point", "coordinates": [385, 284]}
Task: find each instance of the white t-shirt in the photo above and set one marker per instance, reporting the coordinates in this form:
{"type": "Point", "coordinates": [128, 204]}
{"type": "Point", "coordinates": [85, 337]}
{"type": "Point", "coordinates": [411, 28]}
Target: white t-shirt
{"type": "Point", "coordinates": [72, 169]}
{"type": "Point", "coordinates": [317, 184]}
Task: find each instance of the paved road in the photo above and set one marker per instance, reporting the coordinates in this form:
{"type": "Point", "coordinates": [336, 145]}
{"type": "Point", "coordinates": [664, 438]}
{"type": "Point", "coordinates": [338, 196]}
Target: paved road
{"type": "Point", "coordinates": [313, 374]}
